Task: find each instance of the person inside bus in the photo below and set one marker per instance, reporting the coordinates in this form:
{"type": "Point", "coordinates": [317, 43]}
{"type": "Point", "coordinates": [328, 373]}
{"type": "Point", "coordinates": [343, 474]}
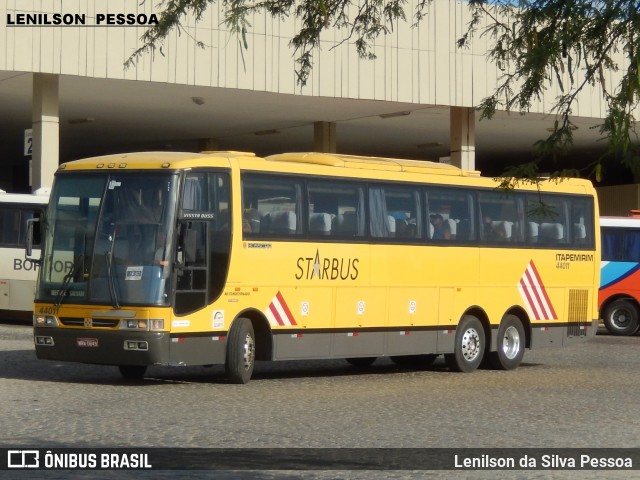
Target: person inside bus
{"type": "Point", "coordinates": [159, 255]}
{"type": "Point", "coordinates": [492, 230]}
{"type": "Point", "coordinates": [489, 231]}
{"type": "Point", "coordinates": [440, 227]}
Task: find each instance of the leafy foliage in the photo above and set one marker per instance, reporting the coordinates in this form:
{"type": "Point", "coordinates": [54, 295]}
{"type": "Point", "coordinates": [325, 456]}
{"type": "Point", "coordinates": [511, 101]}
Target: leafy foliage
{"type": "Point", "coordinates": [549, 40]}
{"type": "Point", "coordinates": [573, 43]}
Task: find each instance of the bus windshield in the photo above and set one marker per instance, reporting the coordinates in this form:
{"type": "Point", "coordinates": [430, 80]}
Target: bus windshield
{"type": "Point", "coordinates": [108, 238]}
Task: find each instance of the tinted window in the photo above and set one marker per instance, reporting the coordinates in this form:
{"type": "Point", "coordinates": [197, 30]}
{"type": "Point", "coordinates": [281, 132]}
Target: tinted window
{"type": "Point", "coordinates": [500, 214]}
{"type": "Point", "coordinates": [620, 245]}
{"type": "Point", "coordinates": [450, 215]}
{"type": "Point", "coordinates": [394, 212]}
{"type": "Point", "coordinates": [546, 220]}
{"type": "Point", "coordinates": [271, 206]}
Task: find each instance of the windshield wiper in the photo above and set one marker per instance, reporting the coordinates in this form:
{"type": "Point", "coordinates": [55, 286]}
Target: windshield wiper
{"type": "Point", "coordinates": [66, 281]}
{"type": "Point", "coordinates": [112, 286]}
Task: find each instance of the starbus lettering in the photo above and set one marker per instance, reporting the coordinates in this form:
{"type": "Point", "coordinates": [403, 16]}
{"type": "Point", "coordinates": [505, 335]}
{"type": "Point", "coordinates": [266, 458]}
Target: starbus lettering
{"type": "Point", "coordinates": [329, 268]}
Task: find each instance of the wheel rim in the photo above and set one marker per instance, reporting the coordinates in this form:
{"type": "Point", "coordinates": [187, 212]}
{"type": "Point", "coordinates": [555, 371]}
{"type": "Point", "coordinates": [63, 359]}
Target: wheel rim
{"type": "Point", "coordinates": [249, 351]}
{"type": "Point", "coordinates": [620, 318]}
{"type": "Point", "coordinates": [470, 344]}
{"type": "Point", "coordinates": [511, 343]}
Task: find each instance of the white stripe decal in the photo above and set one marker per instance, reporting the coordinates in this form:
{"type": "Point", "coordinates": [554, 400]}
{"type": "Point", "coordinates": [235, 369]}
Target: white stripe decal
{"type": "Point", "coordinates": [278, 312]}
{"type": "Point", "coordinates": [534, 295]}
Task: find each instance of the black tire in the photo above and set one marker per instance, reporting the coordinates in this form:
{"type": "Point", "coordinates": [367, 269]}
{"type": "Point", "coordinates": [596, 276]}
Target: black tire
{"type": "Point", "coordinates": [241, 351]}
{"type": "Point", "coordinates": [414, 360]}
{"type": "Point", "coordinates": [132, 372]}
{"type": "Point", "coordinates": [469, 346]}
{"type": "Point", "coordinates": [361, 362]}
{"type": "Point", "coordinates": [621, 318]}
{"type": "Point", "coordinates": [511, 344]}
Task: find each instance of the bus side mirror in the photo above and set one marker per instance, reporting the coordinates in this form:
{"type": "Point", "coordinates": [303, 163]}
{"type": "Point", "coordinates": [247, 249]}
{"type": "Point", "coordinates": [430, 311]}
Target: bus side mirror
{"type": "Point", "coordinates": [31, 226]}
{"type": "Point", "coordinates": [189, 245]}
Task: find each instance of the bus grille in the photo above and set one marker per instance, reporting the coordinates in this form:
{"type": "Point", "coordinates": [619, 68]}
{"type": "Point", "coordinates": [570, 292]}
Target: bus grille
{"type": "Point", "coordinates": [578, 312]}
{"type": "Point", "coordinates": [95, 322]}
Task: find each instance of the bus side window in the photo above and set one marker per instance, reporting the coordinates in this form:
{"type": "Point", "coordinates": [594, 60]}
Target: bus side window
{"type": "Point", "coordinates": [450, 214]}
{"type": "Point", "coordinates": [271, 207]}
{"type": "Point", "coordinates": [549, 213]}
{"type": "Point", "coordinates": [582, 223]}
{"type": "Point", "coordinates": [10, 221]}
{"type": "Point", "coordinates": [394, 212]}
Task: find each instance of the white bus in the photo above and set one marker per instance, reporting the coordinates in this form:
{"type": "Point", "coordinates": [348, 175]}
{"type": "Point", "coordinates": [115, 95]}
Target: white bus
{"type": "Point", "coordinates": [17, 273]}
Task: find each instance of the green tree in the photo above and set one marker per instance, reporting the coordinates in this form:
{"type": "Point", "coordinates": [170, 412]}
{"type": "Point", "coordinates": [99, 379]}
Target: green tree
{"type": "Point", "coordinates": [543, 41]}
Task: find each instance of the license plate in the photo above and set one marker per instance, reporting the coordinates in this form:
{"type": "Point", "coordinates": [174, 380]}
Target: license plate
{"type": "Point", "coordinates": [87, 342]}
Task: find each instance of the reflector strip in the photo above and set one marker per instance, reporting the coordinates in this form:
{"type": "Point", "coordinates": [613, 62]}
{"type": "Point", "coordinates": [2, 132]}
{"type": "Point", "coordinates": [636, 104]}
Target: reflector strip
{"type": "Point", "coordinates": [278, 312]}
{"type": "Point", "coordinates": [534, 294]}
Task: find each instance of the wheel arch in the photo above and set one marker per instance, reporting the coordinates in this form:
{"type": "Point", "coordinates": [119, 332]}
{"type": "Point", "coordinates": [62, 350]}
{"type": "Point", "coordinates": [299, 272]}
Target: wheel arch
{"type": "Point", "coordinates": [618, 296]}
{"type": "Point", "coordinates": [262, 332]}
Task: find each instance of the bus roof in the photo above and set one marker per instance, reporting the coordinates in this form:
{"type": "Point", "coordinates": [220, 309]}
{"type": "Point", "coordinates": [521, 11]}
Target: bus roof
{"type": "Point", "coordinates": [149, 160]}
{"type": "Point", "coordinates": [372, 163]}
{"type": "Point", "coordinates": [623, 222]}
{"type": "Point", "coordinates": [296, 161]}
{"type": "Point", "coordinates": [40, 197]}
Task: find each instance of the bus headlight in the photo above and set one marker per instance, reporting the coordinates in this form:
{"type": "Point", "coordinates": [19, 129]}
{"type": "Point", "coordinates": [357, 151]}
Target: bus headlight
{"type": "Point", "coordinates": [134, 324]}
{"type": "Point", "coordinates": [142, 324]}
{"type": "Point", "coordinates": [156, 324]}
{"type": "Point", "coordinates": [45, 321]}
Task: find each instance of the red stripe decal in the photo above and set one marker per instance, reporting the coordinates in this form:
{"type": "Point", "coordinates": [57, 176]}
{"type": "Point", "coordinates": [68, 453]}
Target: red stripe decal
{"type": "Point", "coordinates": [285, 307]}
{"type": "Point", "coordinates": [544, 291]}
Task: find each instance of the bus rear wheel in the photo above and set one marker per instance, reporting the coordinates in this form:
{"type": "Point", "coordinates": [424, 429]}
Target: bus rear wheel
{"type": "Point", "coordinates": [621, 318]}
{"type": "Point", "coordinates": [469, 346]}
{"type": "Point", "coordinates": [132, 372]}
{"type": "Point", "coordinates": [511, 344]}
{"type": "Point", "coordinates": [241, 351]}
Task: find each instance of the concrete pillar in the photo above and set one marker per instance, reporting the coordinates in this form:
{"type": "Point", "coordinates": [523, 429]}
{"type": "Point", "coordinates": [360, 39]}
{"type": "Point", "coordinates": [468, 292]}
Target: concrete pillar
{"type": "Point", "coordinates": [46, 130]}
{"type": "Point", "coordinates": [462, 132]}
{"type": "Point", "coordinates": [324, 137]}
{"type": "Point", "coordinates": [208, 145]}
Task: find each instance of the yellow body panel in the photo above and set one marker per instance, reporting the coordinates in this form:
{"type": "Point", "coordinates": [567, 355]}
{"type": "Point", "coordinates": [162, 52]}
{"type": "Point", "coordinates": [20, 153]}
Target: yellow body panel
{"type": "Point", "coordinates": [344, 287]}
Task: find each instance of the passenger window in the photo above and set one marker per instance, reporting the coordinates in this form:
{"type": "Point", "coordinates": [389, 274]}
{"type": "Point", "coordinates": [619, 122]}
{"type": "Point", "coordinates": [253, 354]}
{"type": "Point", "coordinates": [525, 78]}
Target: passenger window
{"type": "Point", "coordinates": [450, 215]}
{"type": "Point", "coordinates": [270, 206]}
{"type": "Point", "coordinates": [582, 228]}
{"type": "Point", "coordinates": [393, 212]}
{"type": "Point", "coordinates": [10, 220]}
{"type": "Point", "coordinates": [335, 209]}
{"type": "Point", "coordinates": [500, 218]}
{"type": "Point", "coordinates": [546, 220]}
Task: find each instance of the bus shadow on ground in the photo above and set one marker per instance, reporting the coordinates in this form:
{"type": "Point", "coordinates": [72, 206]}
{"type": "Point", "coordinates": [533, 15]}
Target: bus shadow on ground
{"type": "Point", "coordinates": [24, 365]}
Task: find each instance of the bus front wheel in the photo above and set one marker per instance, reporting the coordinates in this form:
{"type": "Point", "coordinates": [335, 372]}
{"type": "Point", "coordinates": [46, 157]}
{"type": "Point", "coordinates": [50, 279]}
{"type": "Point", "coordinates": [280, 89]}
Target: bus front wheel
{"type": "Point", "coordinates": [241, 351]}
{"type": "Point", "coordinates": [511, 344]}
{"type": "Point", "coordinates": [621, 318]}
{"type": "Point", "coordinates": [469, 346]}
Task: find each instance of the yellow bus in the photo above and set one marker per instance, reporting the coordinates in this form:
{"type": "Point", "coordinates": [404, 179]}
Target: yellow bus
{"type": "Point", "coordinates": [228, 258]}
